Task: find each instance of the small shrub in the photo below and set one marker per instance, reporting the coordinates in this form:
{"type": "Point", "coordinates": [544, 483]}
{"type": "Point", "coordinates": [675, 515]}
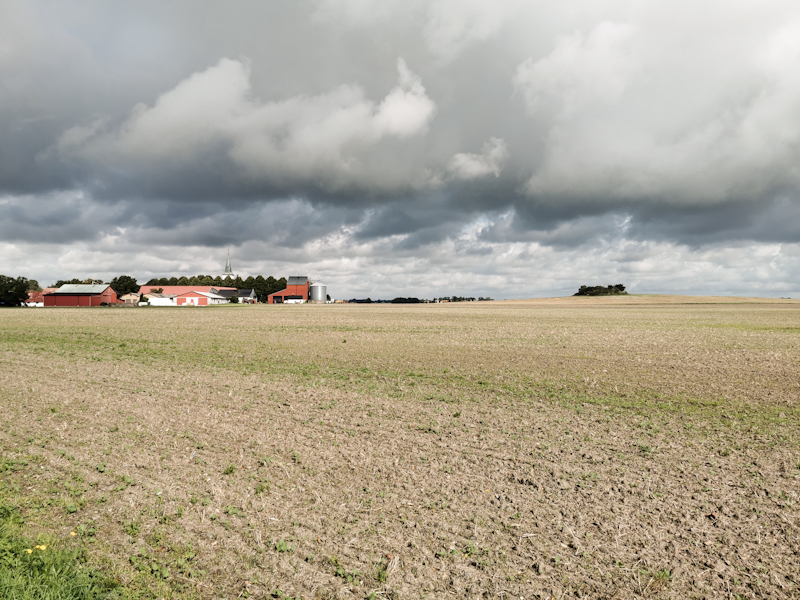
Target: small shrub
{"type": "Point", "coordinates": [132, 528]}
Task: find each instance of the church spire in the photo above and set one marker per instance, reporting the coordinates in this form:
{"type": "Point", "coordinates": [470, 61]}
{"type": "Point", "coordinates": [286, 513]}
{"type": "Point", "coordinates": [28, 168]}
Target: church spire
{"type": "Point", "coordinates": [228, 270]}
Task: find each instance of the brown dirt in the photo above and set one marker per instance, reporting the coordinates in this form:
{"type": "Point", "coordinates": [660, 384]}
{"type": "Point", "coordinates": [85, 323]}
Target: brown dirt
{"type": "Point", "coordinates": [490, 450]}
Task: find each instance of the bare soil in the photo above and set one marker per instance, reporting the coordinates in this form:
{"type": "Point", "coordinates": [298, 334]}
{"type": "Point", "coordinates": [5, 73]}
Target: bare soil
{"type": "Point", "coordinates": [600, 448]}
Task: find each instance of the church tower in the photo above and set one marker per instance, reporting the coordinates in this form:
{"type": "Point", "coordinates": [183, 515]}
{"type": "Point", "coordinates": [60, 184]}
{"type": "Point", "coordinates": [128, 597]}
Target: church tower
{"type": "Point", "coordinates": [228, 270]}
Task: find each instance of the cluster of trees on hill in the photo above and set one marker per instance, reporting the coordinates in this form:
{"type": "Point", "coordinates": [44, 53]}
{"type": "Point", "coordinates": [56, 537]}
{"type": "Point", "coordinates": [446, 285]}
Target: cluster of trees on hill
{"type": "Point", "coordinates": [599, 290]}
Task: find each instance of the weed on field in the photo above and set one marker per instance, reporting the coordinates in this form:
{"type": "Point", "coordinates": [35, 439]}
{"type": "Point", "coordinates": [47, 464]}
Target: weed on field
{"type": "Point", "coordinates": [523, 449]}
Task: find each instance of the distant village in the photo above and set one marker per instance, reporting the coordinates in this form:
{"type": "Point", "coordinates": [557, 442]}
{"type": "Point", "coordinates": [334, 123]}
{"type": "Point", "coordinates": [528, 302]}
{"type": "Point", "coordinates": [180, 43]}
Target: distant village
{"type": "Point", "coordinates": [201, 290]}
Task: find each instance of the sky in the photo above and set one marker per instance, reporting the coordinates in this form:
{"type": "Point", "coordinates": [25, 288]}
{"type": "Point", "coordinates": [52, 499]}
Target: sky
{"type": "Point", "coordinates": [510, 149]}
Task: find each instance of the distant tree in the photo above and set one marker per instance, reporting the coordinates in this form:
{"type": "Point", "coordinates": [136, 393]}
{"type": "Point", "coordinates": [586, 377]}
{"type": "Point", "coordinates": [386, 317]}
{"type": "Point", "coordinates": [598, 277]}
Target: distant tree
{"type": "Point", "coordinates": [599, 290]}
{"type": "Point", "coordinates": [124, 284]}
{"type": "Point", "coordinates": [234, 299]}
{"type": "Point", "coordinates": [406, 301]}
{"type": "Point", "coordinates": [217, 281]}
{"type": "Point", "coordinates": [249, 283]}
{"type": "Point", "coordinates": [88, 281]}
{"type": "Point", "coordinates": [183, 281]}
{"type": "Point", "coordinates": [172, 281]}
{"type": "Point", "coordinates": [33, 286]}
{"type": "Point", "coordinates": [156, 290]}
{"type": "Point", "coordinates": [61, 282]}
{"type": "Point", "coordinates": [13, 291]}
{"type": "Point", "coordinates": [153, 281]}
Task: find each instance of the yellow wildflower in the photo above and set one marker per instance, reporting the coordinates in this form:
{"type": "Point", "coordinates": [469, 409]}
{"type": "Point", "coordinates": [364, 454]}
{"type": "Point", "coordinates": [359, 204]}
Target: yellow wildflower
{"type": "Point", "coordinates": [28, 550]}
{"type": "Point", "coordinates": [72, 533]}
{"type": "Point", "coordinates": [42, 547]}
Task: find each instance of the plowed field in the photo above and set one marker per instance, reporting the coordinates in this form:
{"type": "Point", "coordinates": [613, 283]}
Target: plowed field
{"type": "Point", "coordinates": [578, 448]}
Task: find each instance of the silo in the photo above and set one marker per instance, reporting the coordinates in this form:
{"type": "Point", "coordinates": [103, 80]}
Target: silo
{"type": "Point", "coordinates": [318, 293]}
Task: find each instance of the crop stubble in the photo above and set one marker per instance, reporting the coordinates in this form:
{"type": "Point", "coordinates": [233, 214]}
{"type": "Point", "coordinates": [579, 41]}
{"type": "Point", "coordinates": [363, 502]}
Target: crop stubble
{"type": "Point", "coordinates": [602, 448]}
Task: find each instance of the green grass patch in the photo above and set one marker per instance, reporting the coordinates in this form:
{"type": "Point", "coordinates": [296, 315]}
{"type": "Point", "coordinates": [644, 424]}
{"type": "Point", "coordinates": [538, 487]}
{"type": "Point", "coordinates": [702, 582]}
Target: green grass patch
{"type": "Point", "coordinates": [40, 569]}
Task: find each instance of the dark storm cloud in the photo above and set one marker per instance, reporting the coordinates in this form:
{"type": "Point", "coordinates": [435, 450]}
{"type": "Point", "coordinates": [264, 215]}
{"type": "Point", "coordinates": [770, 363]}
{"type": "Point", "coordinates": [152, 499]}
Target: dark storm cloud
{"type": "Point", "coordinates": [395, 128]}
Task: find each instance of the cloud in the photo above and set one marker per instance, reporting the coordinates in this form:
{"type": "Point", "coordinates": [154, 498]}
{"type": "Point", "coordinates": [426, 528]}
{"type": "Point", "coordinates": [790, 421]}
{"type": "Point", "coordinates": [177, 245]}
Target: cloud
{"type": "Point", "coordinates": [213, 116]}
{"type": "Point", "coordinates": [471, 166]}
{"type": "Point", "coordinates": [612, 135]}
{"type": "Point", "coordinates": [448, 27]}
{"type": "Point", "coordinates": [453, 24]}
{"type": "Point", "coordinates": [421, 141]}
{"type": "Point", "coordinates": [582, 69]}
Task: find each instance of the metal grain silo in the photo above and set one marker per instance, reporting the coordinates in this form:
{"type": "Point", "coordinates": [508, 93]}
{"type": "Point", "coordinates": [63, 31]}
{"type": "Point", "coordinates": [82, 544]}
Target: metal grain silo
{"type": "Point", "coordinates": [318, 293]}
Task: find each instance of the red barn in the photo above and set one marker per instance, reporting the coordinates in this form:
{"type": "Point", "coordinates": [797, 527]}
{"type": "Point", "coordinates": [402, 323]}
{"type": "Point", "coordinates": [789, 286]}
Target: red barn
{"type": "Point", "coordinates": [297, 290]}
{"type": "Point", "coordinates": [81, 295]}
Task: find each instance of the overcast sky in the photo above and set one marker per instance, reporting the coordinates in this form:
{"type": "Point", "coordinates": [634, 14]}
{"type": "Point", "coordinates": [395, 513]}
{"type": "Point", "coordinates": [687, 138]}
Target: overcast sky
{"type": "Point", "coordinates": [510, 148]}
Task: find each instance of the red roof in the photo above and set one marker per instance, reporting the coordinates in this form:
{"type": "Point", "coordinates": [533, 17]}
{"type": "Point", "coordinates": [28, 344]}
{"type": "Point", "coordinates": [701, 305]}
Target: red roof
{"type": "Point", "coordinates": [177, 290]}
{"type": "Point", "coordinates": [36, 296]}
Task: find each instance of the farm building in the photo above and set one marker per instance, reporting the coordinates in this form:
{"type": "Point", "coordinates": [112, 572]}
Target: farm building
{"type": "Point", "coordinates": [182, 289]}
{"type": "Point", "coordinates": [244, 296]}
{"type": "Point", "coordinates": [248, 296]}
{"type": "Point", "coordinates": [81, 295]}
{"type": "Point", "coordinates": [199, 299]}
{"type": "Point", "coordinates": [35, 299]}
{"type": "Point", "coordinates": [226, 293]}
{"type": "Point", "coordinates": [132, 299]}
{"type": "Point", "coordinates": [160, 299]}
{"type": "Point", "coordinates": [298, 289]}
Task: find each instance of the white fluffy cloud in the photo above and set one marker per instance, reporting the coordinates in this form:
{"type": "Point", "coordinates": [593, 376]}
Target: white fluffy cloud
{"type": "Point", "coordinates": [452, 25]}
{"type": "Point", "coordinates": [582, 69]}
{"type": "Point", "coordinates": [623, 123]}
{"type": "Point", "coordinates": [323, 137]}
{"type": "Point", "coordinates": [489, 162]}
{"type": "Point", "coordinates": [448, 27]}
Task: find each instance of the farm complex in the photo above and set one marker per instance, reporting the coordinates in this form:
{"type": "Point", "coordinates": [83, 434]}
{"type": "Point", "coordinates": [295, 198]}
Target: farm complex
{"type": "Point", "coordinates": [617, 447]}
{"type": "Point", "coordinates": [299, 290]}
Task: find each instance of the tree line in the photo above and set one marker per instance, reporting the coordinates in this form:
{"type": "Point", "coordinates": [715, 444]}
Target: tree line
{"type": "Point", "coordinates": [262, 286]}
